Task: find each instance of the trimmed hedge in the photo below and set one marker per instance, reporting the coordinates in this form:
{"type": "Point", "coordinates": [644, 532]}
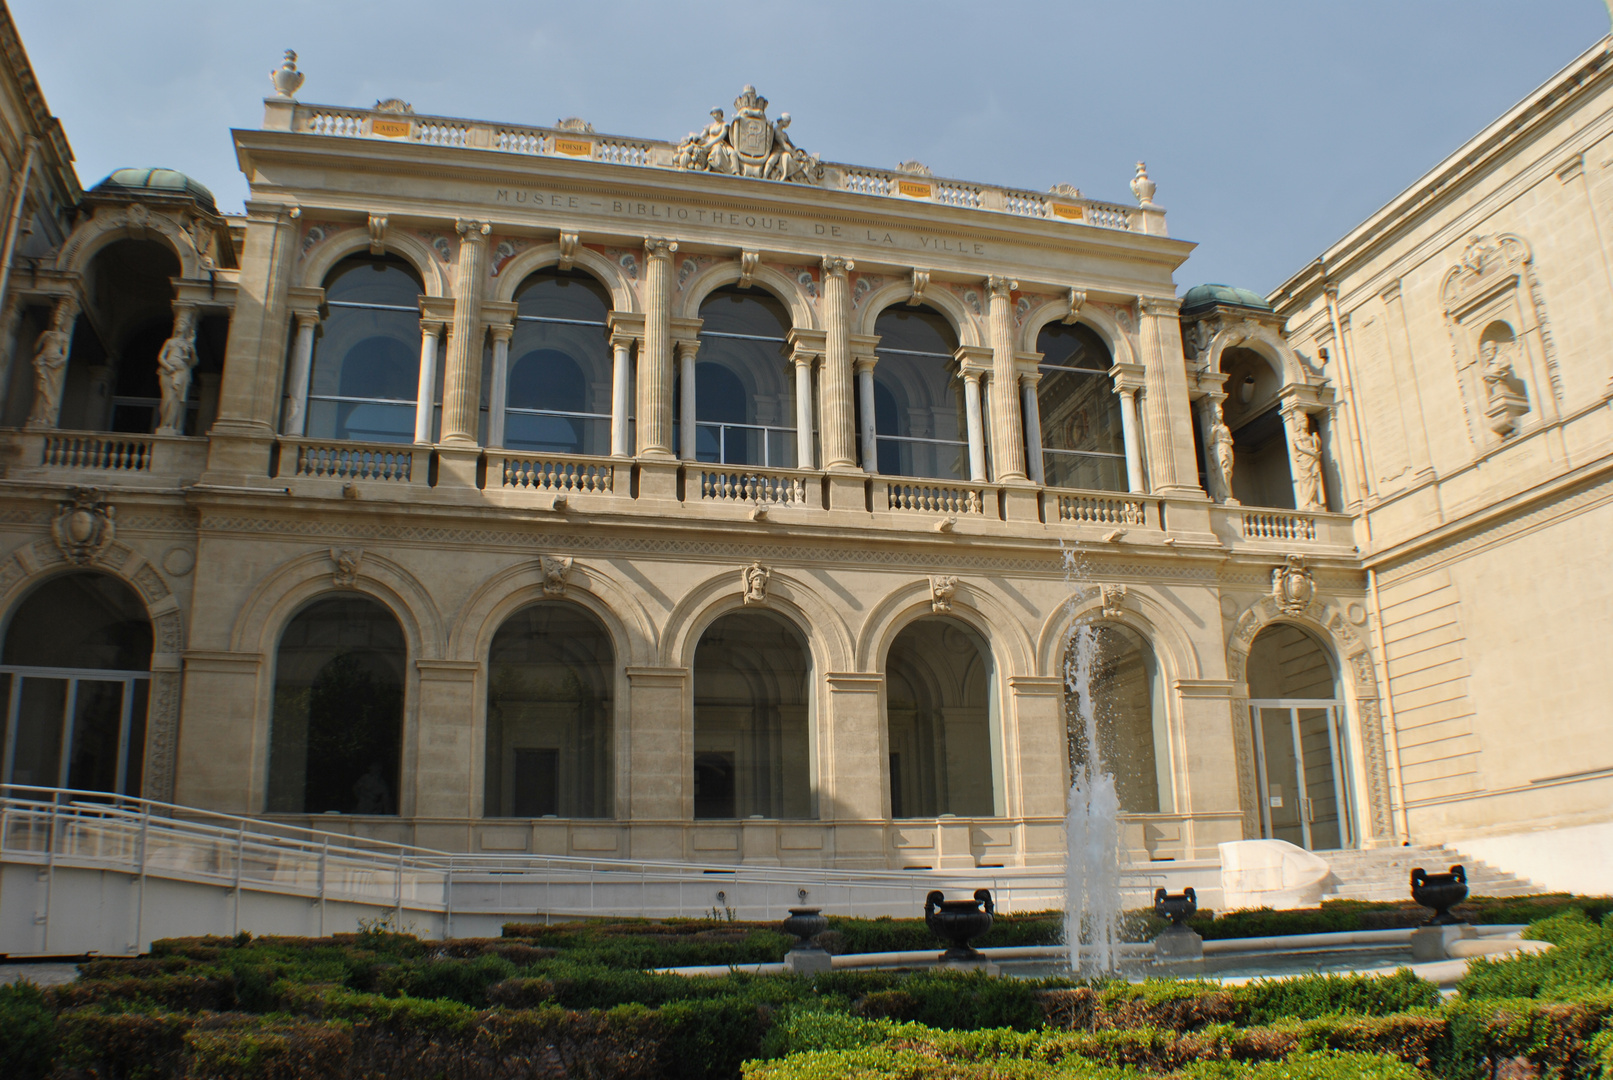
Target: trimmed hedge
{"type": "Point", "coordinates": [27, 1032]}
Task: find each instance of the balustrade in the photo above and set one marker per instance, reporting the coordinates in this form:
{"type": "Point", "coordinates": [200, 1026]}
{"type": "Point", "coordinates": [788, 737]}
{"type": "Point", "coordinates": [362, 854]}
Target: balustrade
{"type": "Point", "coordinates": [934, 498]}
{"type": "Point", "coordinates": [352, 461]}
{"type": "Point", "coordinates": [114, 454]}
{"type": "Point", "coordinates": [762, 488]}
{"type": "Point", "coordinates": [1277, 525]}
{"type": "Point", "coordinates": [1102, 509]}
{"type": "Point", "coordinates": [558, 475]}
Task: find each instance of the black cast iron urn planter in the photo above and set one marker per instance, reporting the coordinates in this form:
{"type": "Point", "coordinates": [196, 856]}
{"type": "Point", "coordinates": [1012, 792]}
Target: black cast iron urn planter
{"type": "Point", "coordinates": [1178, 908]}
{"type": "Point", "coordinates": [806, 924]}
{"type": "Point", "coordinates": [959, 921]}
{"type": "Point", "coordinates": [1440, 892]}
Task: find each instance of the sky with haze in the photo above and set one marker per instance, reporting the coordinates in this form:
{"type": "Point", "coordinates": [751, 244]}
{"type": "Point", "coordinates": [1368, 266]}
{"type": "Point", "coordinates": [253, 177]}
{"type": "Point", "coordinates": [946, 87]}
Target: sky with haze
{"type": "Point", "coordinates": [1272, 127]}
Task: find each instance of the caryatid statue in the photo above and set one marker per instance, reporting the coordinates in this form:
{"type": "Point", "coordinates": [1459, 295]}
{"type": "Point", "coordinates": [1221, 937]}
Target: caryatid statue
{"type": "Point", "coordinates": [50, 366]}
{"type": "Point", "coordinates": [174, 365]}
{"type": "Point", "coordinates": [1307, 455]}
{"type": "Point", "coordinates": [1221, 449]}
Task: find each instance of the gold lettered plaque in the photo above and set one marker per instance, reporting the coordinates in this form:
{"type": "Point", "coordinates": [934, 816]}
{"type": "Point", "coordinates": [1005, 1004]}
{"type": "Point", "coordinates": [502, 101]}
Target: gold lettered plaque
{"type": "Point", "coordinates": [1068, 212]}
{"type": "Point", "coordinates": [913, 189]}
{"type": "Point", "coordinates": [574, 147]}
{"type": "Point", "coordinates": [392, 129]}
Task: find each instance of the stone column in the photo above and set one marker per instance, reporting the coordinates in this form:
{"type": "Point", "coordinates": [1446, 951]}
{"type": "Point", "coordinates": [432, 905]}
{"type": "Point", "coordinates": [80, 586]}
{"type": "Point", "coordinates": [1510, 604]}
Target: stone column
{"type": "Point", "coordinates": [1007, 441]}
{"type": "Point", "coordinates": [1170, 422]}
{"type": "Point", "coordinates": [835, 426]}
{"type": "Point", "coordinates": [869, 426]}
{"type": "Point", "coordinates": [686, 399]}
{"type": "Point", "coordinates": [973, 422]}
{"type": "Point", "coordinates": [441, 782]}
{"type": "Point", "coordinates": [249, 397]}
{"type": "Point", "coordinates": [51, 351]}
{"type": "Point", "coordinates": [462, 374]}
{"type": "Point", "coordinates": [803, 359]}
{"type": "Point", "coordinates": [1129, 378]}
{"type": "Point", "coordinates": [1043, 744]}
{"type": "Point", "coordinates": [1033, 426]}
{"type": "Point", "coordinates": [655, 353]}
{"type": "Point", "coordinates": [302, 367]}
{"type": "Point", "coordinates": [621, 377]}
{"type": "Point", "coordinates": [425, 401]}
{"type": "Point", "coordinates": [655, 759]}
{"type": "Point", "coordinates": [498, 398]}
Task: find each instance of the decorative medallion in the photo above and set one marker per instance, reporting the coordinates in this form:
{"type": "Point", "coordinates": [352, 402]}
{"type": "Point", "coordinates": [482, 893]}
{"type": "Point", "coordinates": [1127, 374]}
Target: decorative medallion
{"type": "Point", "coordinates": [1293, 586]}
{"type": "Point", "coordinates": [86, 525]}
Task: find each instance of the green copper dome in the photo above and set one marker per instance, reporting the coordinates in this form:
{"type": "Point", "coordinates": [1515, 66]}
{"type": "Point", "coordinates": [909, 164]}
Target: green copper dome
{"type": "Point", "coordinates": [1203, 296]}
{"type": "Point", "coordinates": [157, 181]}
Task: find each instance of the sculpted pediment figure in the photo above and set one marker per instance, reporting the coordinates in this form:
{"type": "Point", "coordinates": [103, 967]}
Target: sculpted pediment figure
{"type": "Point", "coordinates": [748, 145]}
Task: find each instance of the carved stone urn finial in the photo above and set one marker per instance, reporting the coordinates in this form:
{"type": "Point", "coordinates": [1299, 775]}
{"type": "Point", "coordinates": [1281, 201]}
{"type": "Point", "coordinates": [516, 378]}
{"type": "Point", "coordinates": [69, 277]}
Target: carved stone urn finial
{"type": "Point", "coordinates": [1142, 187]}
{"type": "Point", "coordinates": [287, 79]}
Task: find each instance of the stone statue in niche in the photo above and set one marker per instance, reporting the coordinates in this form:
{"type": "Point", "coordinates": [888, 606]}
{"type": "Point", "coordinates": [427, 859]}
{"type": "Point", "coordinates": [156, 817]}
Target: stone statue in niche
{"type": "Point", "coordinates": [1505, 396]}
{"type": "Point", "coordinates": [50, 366]}
{"type": "Point", "coordinates": [1307, 455]}
{"type": "Point", "coordinates": [755, 581]}
{"type": "Point", "coordinates": [1221, 452]}
{"type": "Point", "coordinates": [175, 363]}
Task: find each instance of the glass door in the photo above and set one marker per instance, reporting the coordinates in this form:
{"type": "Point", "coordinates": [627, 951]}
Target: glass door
{"type": "Point", "coordinates": [1300, 759]}
{"type": "Point", "coordinates": [74, 729]}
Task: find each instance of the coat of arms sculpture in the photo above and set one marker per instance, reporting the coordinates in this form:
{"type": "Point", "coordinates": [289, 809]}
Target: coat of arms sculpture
{"type": "Point", "coordinates": [748, 145]}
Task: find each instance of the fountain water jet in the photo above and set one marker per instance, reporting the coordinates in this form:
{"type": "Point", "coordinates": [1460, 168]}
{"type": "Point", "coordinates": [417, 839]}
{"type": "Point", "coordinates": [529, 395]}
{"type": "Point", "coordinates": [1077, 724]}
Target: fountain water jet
{"type": "Point", "coordinates": [1091, 822]}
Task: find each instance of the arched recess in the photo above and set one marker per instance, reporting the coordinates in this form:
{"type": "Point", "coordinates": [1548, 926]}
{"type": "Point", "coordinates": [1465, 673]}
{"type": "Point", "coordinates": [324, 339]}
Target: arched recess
{"type": "Point", "coordinates": [624, 616]}
{"type": "Point", "coordinates": [1253, 336]}
{"type": "Point", "coordinates": [1091, 315]}
{"type": "Point", "coordinates": [942, 299]}
{"type": "Point", "coordinates": [312, 271]}
{"type": "Point", "coordinates": [944, 734]}
{"type": "Point", "coordinates": [134, 222]}
{"type": "Point", "coordinates": [542, 256]}
{"type": "Point", "coordinates": [828, 637]}
{"type": "Point", "coordinates": [42, 559]}
{"type": "Point", "coordinates": [976, 602]}
{"type": "Point", "coordinates": [803, 312]}
{"type": "Point", "coordinates": [1327, 620]}
{"type": "Point", "coordinates": [1136, 608]}
{"type": "Point", "coordinates": [290, 585]}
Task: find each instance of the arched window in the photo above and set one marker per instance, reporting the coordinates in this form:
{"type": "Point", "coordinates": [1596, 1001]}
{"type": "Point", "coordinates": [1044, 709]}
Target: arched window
{"type": "Point", "coordinates": [559, 387]}
{"type": "Point", "coordinates": [336, 733]}
{"type": "Point", "coordinates": [744, 398]}
{"type": "Point", "coordinates": [550, 674]}
{"type": "Point", "coordinates": [919, 423]}
{"type": "Point", "coordinates": [75, 678]}
{"type": "Point", "coordinates": [939, 707]}
{"type": "Point", "coordinates": [1301, 755]}
{"type": "Point", "coordinates": [366, 365]}
{"type": "Point", "coordinates": [1083, 444]}
{"type": "Point", "coordinates": [752, 703]}
{"type": "Point", "coordinates": [1128, 702]}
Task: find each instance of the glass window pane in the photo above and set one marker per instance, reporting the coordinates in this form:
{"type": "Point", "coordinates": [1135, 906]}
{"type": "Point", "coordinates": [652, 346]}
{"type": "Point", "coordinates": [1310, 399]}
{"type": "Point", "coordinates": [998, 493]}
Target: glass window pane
{"type": "Point", "coordinates": [97, 726]}
{"type": "Point", "coordinates": [744, 311]}
{"type": "Point", "coordinates": [546, 374]}
{"type": "Point", "coordinates": [563, 294]}
{"type": "Point", "coordinates": [752, 675]}
{"type": "Point", "coordinates": [1321, 793]}
{"type": "Point", "coordinates": [917, 398]}
{"type": "Point", "coordinates": [337, 726]}
{"type": "Point", "coordinates": [37, 753]}
{"type": "Point", "coordinates": [1073, 346]}
{"type": "Point", "coordinates": [550, 676]}
{"type": "Point", "coordinates": [937, 690]}
{"type": "Point", "coordinates": [135, 765]}
{"type": "Point", "coordinates": [1282, 776]}
{"type": "Point", "coordinates": [370, 279]}
{"type": "Point", "coordinates": [80, 620]}
{"type": "Point", "coordinates": [916, 329]}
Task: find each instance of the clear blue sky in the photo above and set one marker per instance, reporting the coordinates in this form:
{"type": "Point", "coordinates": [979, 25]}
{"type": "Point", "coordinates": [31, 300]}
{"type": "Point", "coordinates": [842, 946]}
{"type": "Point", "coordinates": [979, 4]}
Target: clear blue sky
{"type": "Point", "coordinates": [1271, 126]}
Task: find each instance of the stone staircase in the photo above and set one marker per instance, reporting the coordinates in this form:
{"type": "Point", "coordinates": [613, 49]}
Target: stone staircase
{"type": "Point", "coordinates": [1385, 873]}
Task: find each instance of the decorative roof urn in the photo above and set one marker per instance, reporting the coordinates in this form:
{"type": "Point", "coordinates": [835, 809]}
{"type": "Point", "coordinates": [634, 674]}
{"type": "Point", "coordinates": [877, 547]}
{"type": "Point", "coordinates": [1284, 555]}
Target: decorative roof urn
{"type": "Point", "coordinates": [1440, 892]}
{"type": "Point", "coordinates": [1178, 908]}
{"type": "Point", "coordinates": [806, 924]}
{"type": "Point", "coordinates": [959, 921]}
{"type": "Point", "coordinates": [287, 79]}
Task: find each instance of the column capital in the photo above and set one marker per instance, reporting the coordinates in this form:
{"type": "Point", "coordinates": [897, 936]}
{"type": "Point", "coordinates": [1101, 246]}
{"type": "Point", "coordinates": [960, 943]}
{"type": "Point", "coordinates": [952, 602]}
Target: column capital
{"type": "Point", "coordinates": [971, 375]}
{"type": "Point", "coordinates": [474, 231]}
{"type": "Point", "coordinates": [1000, 286]}
{"type": "Point", "coordinates": [501, 331]}
{"type": "Point", "coordinates": [1159, 306]}
{"type": "Point", "coordinates": [864, 362]}
{"type": "Point", "coordinates": [977, 356]}
{"type": "Point", "coordinates": [803, 355]}
{"type": "Point", "coordinates": [305, 317]}
{"type": "Point", "coordinates": [810, 340]}
{"type": "Point", "coordinates": [629, 324]}
{"type": "Point", "coordinates": [837, 265]}
{"type": "Point", "coordinates": [658, 247]}
{"type": "Point", "coordinates": [432, 324]}
{"type": "Point", "coordinates": [1129, 378]}
{"type": "Point", "coordinates": [1030, 378]}
{"type": "Point", "coordinates": [687, 347]}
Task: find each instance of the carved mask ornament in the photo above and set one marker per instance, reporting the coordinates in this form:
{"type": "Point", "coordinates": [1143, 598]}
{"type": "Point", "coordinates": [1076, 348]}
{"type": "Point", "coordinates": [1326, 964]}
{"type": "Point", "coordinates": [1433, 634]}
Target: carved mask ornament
{"type": "Point", "coordinates": [555, 570]}
{"type": "Point", "coordinates": [942, 589]}
{"type": "Point", "coordinates": [755, 581]}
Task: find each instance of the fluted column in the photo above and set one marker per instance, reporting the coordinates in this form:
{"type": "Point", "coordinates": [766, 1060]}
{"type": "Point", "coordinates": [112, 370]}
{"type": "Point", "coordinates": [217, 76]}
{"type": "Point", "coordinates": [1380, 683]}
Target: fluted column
{"type": "Point", "coordinates": [655, 353]}
{"type": "Point", "coordinates": [1171, 455]}
{"type": "Point", "coordinates": [688, 446]}
{"type": "Point", "coordinates": [425, 395]}
{"type": "Point", "coordinates": [974, 426]}
{"type": "Point", "coordinates": [302, 363]}
{"type": "Point", "coordinates": [1007, 442]}
{"type": "Point", "coordinates": [462, 375]}
{"type": "Point", "coordinates": [803, 359]}
{"type": "Point", "coordinates": [498, 397]}
{"type": "Point", "coordinates": [1033, 426]}
{"type": "Point", "coordinates": [621, 376]}
{"type": "Point", "coordinates": [870, 429]}
{"type": "Point", "coordinates": [837, 425]}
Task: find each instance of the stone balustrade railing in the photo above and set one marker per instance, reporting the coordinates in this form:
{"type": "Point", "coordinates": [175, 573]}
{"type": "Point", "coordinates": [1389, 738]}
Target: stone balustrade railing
{"type": "Point", "coordinates": [653, 153]}
{"type": "Point", "coordinates": [1102, 509]}
{"type": "Point", "coordinates": [554, 475]}
{"type": "Point", "coordinates": [1276, 525]}
{"type": "Point", "coordinates": [113, 453]}
{"type": "Point", "coordinates": [760, 487]}
{"type": "Point", "coordinates": [351, 461]}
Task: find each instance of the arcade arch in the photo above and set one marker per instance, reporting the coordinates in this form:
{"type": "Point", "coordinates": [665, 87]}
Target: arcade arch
{"type": "Point", "coordinates": [942, 732]}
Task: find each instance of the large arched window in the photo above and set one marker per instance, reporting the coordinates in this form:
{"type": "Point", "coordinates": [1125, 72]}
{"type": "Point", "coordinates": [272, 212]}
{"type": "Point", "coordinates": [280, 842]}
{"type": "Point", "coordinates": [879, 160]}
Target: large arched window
{"type": "Point", "coordinates": [919, 425]}
{"type": "Point", "coordinates": [1083, 445]}
{"type": "Point", "coordinates": [336, 733]}
{"type": "Point", "coordinates": [559, 383]}
{"type": "Point", "coordinates": [550, 674]}
{"type": "Point", "coordinates": [1301, 754]}
{"type": "Point", "coordinates": [744, 397]}
{"type": "Point", "coordinates": [752, 704]}
{"type": "Point", "coordinates": [366, 366]}
{"type": "Point", "coordinates": [939, 707]}
{"type": "Point", "coordinates": [75, 678]}
{"type": "Point", "coordinates": [1128, 702]}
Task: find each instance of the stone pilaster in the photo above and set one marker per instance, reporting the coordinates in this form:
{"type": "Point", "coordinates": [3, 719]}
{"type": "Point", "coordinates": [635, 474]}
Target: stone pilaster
{"type": "Point", "coordinates": [1171, 461]}
{"type": "Point", "coordinates": [249, 396]}
{"type": "Point", "coordinates": [462, 375]}
{"type": "Point", "coordinates": [655, 353]}
{"type": "Point", "coordinates": [837, 424]}
{"type": "Point", "coordinates": [1007, 441]}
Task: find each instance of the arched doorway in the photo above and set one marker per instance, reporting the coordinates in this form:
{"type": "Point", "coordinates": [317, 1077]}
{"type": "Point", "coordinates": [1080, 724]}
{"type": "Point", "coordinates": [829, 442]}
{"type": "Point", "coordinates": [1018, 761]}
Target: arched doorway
{"type": "Point", "coordinates": [75, 674]}
{"type": "Point", "coordinates": [944, 749]}
{"type": "Point", "coordinates": [336, 733]}
{"type": "Point", "coordinates": [550, 673]}
{"type": "Point", "coordinates": [1128, 700]}
{"type": "Point", "coordinates": [752, 708]}
{"type": "Point", "coordinates": [1301, 756]}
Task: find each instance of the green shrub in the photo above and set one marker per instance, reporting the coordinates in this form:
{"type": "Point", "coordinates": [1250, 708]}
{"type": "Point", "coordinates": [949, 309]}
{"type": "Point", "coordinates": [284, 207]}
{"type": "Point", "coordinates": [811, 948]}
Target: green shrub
{"type": "Point", "coordinates": [231, 1048]}
{"type": "Point", "coordinates": [464, 981]}
{"type": "Point", "coordinates": [1581, 962]}
{"type": "Point", "coordinates": [95, 1045]}
{"type": "Point", "coordinates": [184, 993]}
{"type": "Point", "coordinates": [1555, 1037]}
{"type": "Point", "coordinates": [27, 1032]}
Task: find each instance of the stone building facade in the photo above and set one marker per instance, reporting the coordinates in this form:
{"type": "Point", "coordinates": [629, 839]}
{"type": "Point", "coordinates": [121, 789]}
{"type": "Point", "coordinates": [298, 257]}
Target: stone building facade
{"type": "Point", "coordinates": [505, 488]}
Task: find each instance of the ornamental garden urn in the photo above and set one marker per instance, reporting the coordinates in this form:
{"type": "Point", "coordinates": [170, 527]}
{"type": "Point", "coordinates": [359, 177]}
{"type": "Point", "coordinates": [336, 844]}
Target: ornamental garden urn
{"type": "Point", "coordinates": [806, 924]}
{"type": "Point", "coordinates": [1440, 893]}
{"type": "Point", "coordinates": [1178, 907]}
{"type": "Point", "coordinates": [959, 922]}
{"type": "Point", "coordinates": [1179, 943]}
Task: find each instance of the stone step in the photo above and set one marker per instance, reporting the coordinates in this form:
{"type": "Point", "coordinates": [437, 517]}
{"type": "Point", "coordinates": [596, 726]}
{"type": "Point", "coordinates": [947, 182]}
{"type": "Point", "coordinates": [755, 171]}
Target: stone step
{"type": "Point", "coordinates": [1384, 873]}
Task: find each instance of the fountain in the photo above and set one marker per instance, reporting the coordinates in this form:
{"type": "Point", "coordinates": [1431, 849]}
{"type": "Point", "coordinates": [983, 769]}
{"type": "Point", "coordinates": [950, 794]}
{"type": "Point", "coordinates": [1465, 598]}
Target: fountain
{"type": "Point", "coordinates": [1092, 910]}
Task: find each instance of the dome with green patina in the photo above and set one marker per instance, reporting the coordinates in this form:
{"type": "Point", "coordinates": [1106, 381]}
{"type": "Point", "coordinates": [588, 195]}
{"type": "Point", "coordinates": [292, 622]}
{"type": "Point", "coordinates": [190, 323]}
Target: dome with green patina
{"type": "Point", "coordinates": [1204, 296]}
{"type": "Point", "coordinates": [157, 182]}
